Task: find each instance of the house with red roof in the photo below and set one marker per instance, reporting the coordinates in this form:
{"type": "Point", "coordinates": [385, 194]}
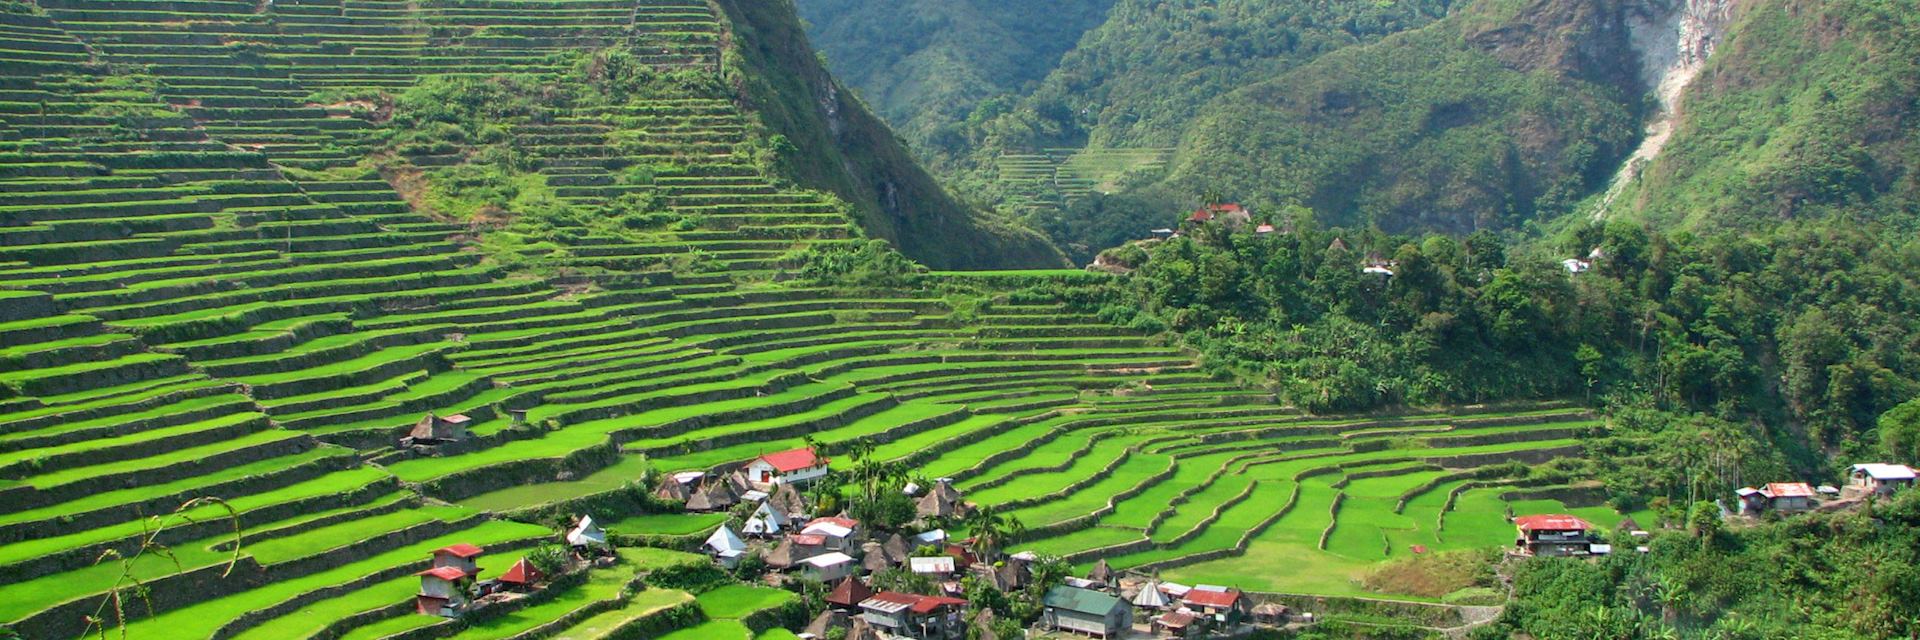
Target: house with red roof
{"type": "Point", "coordinates": [1785, 497]}
{"type": "Point", "coordinates": [520, 577]}
{"type": "Point", "coordinates": [1231, 214]}
{"type": "Point", "coordinates": [461, 556]}
{"type": "Point", "coordinates": [443, 592]}
{"type": "Point", "coordinates": [909, 615]}
{"type": "Point", "coordinates": [1222, 607]}
{"type": "Point", "coordinates": [1553, 535]}
{"type": "Point", "coordinates": [793, 466]}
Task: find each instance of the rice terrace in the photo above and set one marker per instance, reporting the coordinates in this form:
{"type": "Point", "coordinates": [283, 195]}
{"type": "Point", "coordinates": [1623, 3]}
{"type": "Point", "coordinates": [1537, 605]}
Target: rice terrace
{"type": "Point", "coordinates": [313, 312]}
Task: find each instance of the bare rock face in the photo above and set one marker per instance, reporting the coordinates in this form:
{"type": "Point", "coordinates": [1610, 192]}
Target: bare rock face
{"type": "Point", "coordinates": [1672, 41]}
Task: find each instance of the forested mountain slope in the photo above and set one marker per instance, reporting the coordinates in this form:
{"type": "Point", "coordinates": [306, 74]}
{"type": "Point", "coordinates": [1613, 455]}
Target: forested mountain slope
{"type": "Point", "coordinates": [839, 146]}
{"type": "Point", "coordinates": [1806, 112]}
{"type": "Point", "coordinates": [1499, 114]}
{"type": "Point", "coordinates": [925, 65]}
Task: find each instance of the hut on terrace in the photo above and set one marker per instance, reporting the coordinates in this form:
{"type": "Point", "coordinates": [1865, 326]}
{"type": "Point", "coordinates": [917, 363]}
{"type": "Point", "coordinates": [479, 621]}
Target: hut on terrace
{"type": "Point", "coordinates": [520, 577]}
{"type": "Point", "coordinates": [789, 501]}
{"type": "Point", "coordinates": [847, 594]}
{"type": "Point", "coordinates": [713, 496]}
{"type": "Point", "coordinates": [767, 521]}
{"type": "Point", "coordinates": [941, 501]}
{"type": "Point", "coordinates": [436, 430]}
{"type": "Point", "coordinates": [1104, 574]}
{"type": "Point", "coordinates": [1150, 597]}
{"type": "Point", "coordinates": [587, 538]}
{"type": "Point", "coordinates": [725, 546]}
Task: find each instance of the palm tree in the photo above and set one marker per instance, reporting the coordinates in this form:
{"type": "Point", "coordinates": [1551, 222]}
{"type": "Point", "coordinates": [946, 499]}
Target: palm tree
{"type": "Point", "coordinates": [990, 529]}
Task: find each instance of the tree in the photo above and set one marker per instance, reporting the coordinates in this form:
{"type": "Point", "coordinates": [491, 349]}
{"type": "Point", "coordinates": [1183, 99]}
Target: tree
{"type": "Point", "coordinates": [991, 529]}
{"type": "Point", "coordinates": [1900, 432]}
{"type": "Point", "coordinates": [1704, 522]}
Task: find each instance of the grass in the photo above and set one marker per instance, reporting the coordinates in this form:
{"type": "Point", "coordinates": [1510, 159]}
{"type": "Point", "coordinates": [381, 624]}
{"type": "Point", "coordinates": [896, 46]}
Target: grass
{"type": "Point", "coordinates": [736, 601]}
{"type": "Point", "coordinates": [670, 524]}
{"type": "Point", "coordinates": [637, 607]}
{"type": "Point", "coordinates": [712, 630]}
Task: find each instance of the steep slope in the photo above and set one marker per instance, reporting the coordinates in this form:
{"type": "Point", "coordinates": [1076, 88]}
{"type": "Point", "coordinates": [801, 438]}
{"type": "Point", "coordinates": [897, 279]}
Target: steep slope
{"type": "Point", "coordinates": [843, 148]}
{"type": "Point", "coordinates": [1494, 116]}
{"type": "Point", "coordinates": [1806, 111]}
{"type": "Point", "coordinates": [925, 65]}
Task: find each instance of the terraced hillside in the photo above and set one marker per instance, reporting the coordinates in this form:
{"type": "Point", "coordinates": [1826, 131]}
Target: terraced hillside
{"type": "Point", "coordinates": [1053, 177]}
{"type": "Point", "coordinates": [207, 289]}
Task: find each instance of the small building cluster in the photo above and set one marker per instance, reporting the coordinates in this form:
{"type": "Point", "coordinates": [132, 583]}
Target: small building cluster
{"type": "Point", "coordinates": [451, 586]}
{"type": "Point", "coordinates": [1863, 480]}
{"type": "Point", "coordinates": [1556, 535]}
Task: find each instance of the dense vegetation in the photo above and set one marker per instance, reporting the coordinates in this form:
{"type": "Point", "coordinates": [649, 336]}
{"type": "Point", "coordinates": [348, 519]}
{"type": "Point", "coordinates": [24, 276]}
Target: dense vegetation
{"type": "Point", "coordinates": [925, 65]}
{"type": "Point", "coordinates": [1824, 576]}
{"type": "Point", "coordinates": [1807, 113]}
{"type": "Point", "coordinates": [1798, 340]}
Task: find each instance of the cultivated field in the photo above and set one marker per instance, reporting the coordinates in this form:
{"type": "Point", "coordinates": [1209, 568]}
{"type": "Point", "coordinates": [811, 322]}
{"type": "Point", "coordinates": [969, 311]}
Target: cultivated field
{"type": "Point", "coordinates": [205, 291]}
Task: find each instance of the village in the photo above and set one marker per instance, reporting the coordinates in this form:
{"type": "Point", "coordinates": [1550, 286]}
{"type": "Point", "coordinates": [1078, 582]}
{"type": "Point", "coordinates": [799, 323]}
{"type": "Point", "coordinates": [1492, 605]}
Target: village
{"type": "Point", "coordinates": [913, 579]}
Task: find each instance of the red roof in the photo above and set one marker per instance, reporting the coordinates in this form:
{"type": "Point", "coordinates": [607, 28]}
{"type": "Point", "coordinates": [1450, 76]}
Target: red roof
{"type": "Point", "coordinates": [849, 592]}
{"type": "Point", "coordinates": [793, 460]}
{"type": "Point", "coordinates": [448, 574]}
{"type": "Point", "coordinates": [1216, 599]}
{"type": "Point", "coordinates": [808, 539]}
{"type": "Point", "coordinates": [1202, 215]}
{"type": "Point", "coordinates": [849, 523]}
{"type": "Point", "coordinates": [1789, 490]}
{"type": "Point", "coordinates": [921, 604]}
{"type": "Point", "coordinates": [1231, 207]}
{"type": "Point", "coordinates": [463, 550]}
{"type": "Point", "coordinates": [521, 573]}
{"type": "Point", "coordinates": [1551, 522]}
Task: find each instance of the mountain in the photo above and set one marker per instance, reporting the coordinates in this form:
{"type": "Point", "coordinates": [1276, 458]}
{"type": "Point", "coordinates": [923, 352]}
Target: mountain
{"type": "Point", "coordinates": [841, 147]}
{"type": "Point", "coordinates": [1499, 114]}
{"type": "Point", "coordinates": [925, 65]}
{"type": "Point", "coordinates": [1806, 111]}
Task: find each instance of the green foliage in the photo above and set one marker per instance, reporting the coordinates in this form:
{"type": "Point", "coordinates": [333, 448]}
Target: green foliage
{"type": "Point", "coordinates": [873, 263]}
{"type": "Point", "coordinates": [1796, 117]}
{"type": "Point", "coordinates": [550, 559]}
{"type": "Point", "coordinates": [1899, 430]}
{"type": "Point", "coordinates": [1838, 575]}
{"type": "Point", "coordinates": [926, 65]}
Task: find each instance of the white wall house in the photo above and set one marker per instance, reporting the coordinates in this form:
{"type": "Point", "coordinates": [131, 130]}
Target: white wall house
{"type": "Point", "coordinates": [786, 467]}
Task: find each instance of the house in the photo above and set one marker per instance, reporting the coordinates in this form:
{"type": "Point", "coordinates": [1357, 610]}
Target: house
{"type": "Point", "coordinates": [725, 546]}
{"type": "Point", "coordinates": [432, 429]}
{"type": "Point", "coordinates": [827, 567]}
{"type": "Point", "coordinates": [942, 501]}
{"type": "Point", "coordinates": [848, 594]}
{"type": "Point", "coordinates": [587, 536]}
{"type": "Point", "coordinates": [916, 616]}
{"type": "Point", "coordinates": [767, 521]}
{"type": "Point", "coordinates": [1220, 606]}
{"type": "Point", "coordinates": [713, 496]}
{"type": "Point", "coordinates": [1576, 265]}
{"type": "Point", "coordinates": [873, 557]}
{"type": "Point", "coordinates": [839, 534]}
{"type": "Point", "coordinates": [461, 556]}
{"type": "Point", "coordinates": [785, 467]}
{"type": "Point", "coordinates": [1271, 613]}
{"type": "Point", "coordinates": [443, 591]}
{"type": "Point", "coordinates": [1880, 479]}
{"type": "Point", "coordinates": [1785, 497]}
{"type": "Point", "coordinates": [520, 577]}
{"type": "Point", "coordinates": [1151, 598]}
{"type": "Point", "coordinates": [1179, 623]}
{"type": "Point", "coordinates": [938, 567]}
{"type": "Point", "coordinates": [1231, 214]}
{"type": "Point", "coordinates": [795, 549]}
{"type": "Point", "coordinates": [1552, 535]}
{"type": "Point", "coordinates": [1094, 613]}
{"type": "Point", "coordinates": [896, 548]}
{"type": "Point", "coordinates": [1104, 574]}
{"type": "Point", "coordinates": [671, 489]}
{"type": "Point", "coordinates": [789, 501]}
{"type": "Point", "coordinates": [1263, 229]}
